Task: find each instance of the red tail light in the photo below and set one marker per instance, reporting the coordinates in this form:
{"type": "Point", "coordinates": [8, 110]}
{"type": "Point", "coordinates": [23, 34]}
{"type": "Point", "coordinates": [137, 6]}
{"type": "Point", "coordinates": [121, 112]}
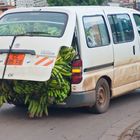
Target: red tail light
{"type": "Point", "coordinates": [77, 71]}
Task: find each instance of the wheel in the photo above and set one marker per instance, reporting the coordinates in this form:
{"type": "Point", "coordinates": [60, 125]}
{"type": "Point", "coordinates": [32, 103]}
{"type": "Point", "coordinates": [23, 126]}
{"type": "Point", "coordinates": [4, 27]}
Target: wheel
{"type": "Point", "coordinates": [102, 97]}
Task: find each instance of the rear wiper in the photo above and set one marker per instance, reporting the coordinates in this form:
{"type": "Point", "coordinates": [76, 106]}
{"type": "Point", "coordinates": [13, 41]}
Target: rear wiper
{"type": "Point", "coordinates": [35, 33]}
{"type": "Point", "coordinates": [23, 34]}
{"type": "Point", "coordinates": [30, 34]}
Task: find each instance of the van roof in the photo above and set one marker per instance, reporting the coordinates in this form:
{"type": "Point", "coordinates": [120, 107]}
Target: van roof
{"type": "Point", "coordinates": [75, 9]}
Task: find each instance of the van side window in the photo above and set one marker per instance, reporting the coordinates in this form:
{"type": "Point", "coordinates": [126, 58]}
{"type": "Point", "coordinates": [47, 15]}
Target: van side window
{"type": "Point", "coordinates": [137, 20]}
{"type": "Point", "coordinates": [96, 31]}
{"type": "Point", "coordinates": [122, 29]}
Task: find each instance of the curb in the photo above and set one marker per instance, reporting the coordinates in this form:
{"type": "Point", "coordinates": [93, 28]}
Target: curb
{"type": "Point", "coordinates": [133, 132]}
{"type": "Point", "coordinates": [122, 129]}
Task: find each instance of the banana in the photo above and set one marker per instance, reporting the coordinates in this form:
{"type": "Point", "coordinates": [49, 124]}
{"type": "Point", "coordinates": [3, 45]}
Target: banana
{"type": "Point", "coordinates": [38, 110]}
{"type": "Point", "coordinates": [62, 69]}
{"type": "Point", "coordinates": [46, 110]}
{"type": "Point", "coordinates": [30, 105]}
{"type": "Point", "coordinates": [26, 99]}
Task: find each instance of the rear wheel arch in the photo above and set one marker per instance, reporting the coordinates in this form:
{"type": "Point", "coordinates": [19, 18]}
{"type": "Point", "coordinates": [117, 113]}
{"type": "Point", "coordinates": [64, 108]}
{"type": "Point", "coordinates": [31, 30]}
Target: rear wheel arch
{"type": "Point", "coordinates": [103, 94]}
{"type": "Point", "coordinates": [109, 81]}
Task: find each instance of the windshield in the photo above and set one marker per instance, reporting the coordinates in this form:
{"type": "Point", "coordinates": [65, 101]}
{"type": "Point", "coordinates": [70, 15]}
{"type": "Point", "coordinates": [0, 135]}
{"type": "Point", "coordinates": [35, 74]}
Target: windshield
{"type": "Point", "coordinates": [50, 24]}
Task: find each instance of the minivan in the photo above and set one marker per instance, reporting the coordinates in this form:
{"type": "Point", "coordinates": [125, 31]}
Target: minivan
{"type": "Point", "coordinates": [107, 41]}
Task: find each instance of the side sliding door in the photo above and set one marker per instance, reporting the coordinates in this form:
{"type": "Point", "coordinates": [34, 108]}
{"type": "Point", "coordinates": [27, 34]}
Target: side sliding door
{"type": "Point", "coordinates": [126, 53]}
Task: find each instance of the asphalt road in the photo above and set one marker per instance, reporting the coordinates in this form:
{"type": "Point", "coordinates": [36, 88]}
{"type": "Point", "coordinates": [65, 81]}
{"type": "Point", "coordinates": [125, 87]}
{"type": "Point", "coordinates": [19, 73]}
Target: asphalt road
{"type": "Point", "coordinates": [65, 124]}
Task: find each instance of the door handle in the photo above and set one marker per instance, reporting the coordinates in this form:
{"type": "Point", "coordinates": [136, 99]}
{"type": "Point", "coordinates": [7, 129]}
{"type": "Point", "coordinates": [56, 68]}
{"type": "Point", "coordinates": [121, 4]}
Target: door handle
{"type": "Point", "coordinates": [134, 50]}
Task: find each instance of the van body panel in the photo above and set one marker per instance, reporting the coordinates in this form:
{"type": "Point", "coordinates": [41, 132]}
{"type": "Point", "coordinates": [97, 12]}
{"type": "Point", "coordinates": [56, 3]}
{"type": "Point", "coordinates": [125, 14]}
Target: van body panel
{"type": "Point", "coordinates": [126, 74]}
{"type": "Point", "coordinates": [86, 98]}
{"type": "Point", "coordinates": [125, 89]}
{"type": "Point", "coordinates": [91, 78]}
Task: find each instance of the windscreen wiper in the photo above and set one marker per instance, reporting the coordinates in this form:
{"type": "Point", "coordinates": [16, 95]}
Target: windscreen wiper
{"type": "Point", "coordinates": [36, 33]}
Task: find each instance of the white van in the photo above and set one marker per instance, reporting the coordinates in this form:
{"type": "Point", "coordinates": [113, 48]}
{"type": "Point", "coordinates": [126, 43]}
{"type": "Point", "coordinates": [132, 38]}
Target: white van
{"type": "Point", "coordinates": [106, 40]}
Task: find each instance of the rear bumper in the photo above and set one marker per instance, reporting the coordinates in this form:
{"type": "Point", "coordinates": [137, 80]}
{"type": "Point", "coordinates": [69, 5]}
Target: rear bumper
{"type": "Point", "coordinates": [80, 99]}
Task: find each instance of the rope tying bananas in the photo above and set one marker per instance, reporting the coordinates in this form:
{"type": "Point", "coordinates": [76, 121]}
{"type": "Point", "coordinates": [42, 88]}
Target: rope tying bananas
{"type": "Point", "coordinates": [39, 95]}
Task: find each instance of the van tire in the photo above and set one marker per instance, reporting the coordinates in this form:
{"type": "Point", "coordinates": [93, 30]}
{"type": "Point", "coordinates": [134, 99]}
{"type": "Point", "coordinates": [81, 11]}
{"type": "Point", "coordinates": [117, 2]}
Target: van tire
{"type": "Point", "coordinates": [102, 91]}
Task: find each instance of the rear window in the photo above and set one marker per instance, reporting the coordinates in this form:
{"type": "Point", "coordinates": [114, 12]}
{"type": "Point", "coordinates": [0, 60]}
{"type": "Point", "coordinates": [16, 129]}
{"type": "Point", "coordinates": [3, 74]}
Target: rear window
{"type": "Point", "coordinates": [50, 24]}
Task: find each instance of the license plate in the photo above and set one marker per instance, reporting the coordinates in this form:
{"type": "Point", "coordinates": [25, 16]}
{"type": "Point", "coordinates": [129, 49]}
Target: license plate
{"type": "Point", "coordinates": [15, 59]}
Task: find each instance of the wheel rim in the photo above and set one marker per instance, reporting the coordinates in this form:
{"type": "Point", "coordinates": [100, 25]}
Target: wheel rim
{"type": "Point", "coordinates": [101, 96]}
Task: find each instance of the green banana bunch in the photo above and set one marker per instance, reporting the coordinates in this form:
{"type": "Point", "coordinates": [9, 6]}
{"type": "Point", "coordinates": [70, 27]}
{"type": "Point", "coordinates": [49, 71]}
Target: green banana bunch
{"type": "Point", "coordinates": [39, 95]}
{"type": "Point", "coordinates": [38, 107]}
{"type": "Point", "coordinates": [67, 54]}
{"type": "Point", "coordinates": [59, 94]}
{"type": "Point", "coordinates": [5, 92]}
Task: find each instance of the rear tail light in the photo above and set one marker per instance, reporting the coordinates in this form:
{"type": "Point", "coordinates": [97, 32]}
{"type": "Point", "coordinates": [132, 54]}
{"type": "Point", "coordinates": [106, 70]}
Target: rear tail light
{"type": "Point", "coordinates": [77, 71]}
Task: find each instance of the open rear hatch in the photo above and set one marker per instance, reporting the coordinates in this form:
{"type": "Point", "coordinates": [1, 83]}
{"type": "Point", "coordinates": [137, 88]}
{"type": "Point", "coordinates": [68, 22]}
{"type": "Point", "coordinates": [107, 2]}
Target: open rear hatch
{"type": "Point", "coordinates": [32, 57]}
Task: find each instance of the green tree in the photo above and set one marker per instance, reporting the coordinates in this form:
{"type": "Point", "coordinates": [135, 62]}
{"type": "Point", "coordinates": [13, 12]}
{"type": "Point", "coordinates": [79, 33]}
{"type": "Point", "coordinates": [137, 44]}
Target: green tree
{"type": "Point", "coordinates": [74, 2]}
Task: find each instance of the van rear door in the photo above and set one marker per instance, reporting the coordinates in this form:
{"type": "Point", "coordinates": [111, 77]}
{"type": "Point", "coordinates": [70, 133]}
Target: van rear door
{"type": "Point", "coordinates": [37, 37]}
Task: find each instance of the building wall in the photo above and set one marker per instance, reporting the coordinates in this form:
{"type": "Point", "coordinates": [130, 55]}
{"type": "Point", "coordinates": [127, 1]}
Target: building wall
{"type": "Point", "coordinates": [4, 8]}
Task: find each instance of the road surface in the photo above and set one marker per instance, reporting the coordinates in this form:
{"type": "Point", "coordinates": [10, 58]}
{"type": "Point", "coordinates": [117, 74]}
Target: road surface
{"type": "Point", "coordinates": [65, 124]}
